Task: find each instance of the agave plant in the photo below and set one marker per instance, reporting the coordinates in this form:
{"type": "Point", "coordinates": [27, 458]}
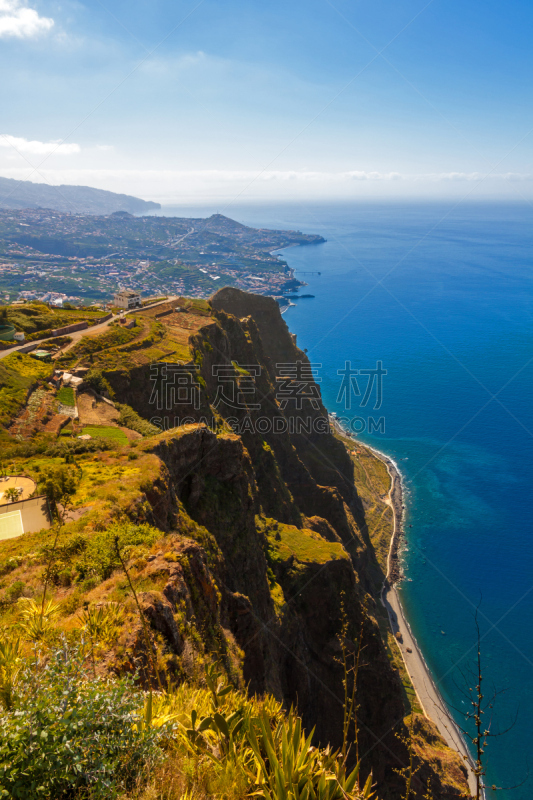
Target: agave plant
{"type": "Point", "coordinates": [288, 767]}
{"type": "Point", "coordinates": [102, 623]}
{"type": "Point", "coordinates": [38, 618]}
{"type": "Point", "coordinates": [220, 735]}
{"type": "Point", "coordinates": [11, 664]}
{"type": "Point", "coordinates": [157, 712]}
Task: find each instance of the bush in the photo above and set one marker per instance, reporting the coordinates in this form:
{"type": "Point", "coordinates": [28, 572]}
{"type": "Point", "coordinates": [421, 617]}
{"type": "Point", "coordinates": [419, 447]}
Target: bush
{"type": "Point", "coordinates": [99, 559]}
{"type": "Point", "coordinates": [130, 419]}
{"type": "Point", "coordinates": [58, 450]}
{"type": "Point", "coordinates": [15, 591]}
{"type": "Point", "coordinates": [59, 484]}
{"type": "Point", "coordinates": [96, 380]}
{"type": "Point", "coordinates": [69, 735]}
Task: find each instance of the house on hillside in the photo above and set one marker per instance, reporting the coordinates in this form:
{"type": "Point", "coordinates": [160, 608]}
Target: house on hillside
{"type": "Point", "coordinates": [127, 299]}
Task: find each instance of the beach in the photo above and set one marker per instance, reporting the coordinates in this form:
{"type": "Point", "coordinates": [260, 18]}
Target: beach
{"type": "Point", "coordinates": [427, 693]}
{"type": "Point", "coordinates": [429, 697]}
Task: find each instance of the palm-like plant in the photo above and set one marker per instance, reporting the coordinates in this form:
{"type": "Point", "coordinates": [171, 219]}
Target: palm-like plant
{"type": "Point", "coordinates": [12, 494]}
{"type": "Point", "coordinates": [287, 767]}
{"type": "Point", "coordinates": [11, 664]}
{"type": "Point", "coordinates": [38, 618]}
{"type": "Point", "coordinates": [102, 623]}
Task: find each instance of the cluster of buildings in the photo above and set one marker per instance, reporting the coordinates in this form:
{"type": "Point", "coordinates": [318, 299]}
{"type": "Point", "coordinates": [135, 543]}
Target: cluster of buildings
{"type": "Point", "coordinates": [53, 298]}
{"type": "Point", "coordinates": [135, 254]}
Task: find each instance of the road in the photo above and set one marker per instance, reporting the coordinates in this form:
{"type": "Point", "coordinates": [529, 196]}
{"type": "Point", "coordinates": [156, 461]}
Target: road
{"type": "Point", "coordinates": [77, 335]}
{"type": "Point", "coordinates": [181, 238]}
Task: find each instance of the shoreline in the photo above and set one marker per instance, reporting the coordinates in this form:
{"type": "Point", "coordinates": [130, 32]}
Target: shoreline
{"type": "Point", "coordinates": [428, 695]}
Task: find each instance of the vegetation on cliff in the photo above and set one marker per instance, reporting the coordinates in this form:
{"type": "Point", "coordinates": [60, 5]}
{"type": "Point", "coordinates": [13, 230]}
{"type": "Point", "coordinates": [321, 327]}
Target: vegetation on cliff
{"type": "Point", "coordinates": [228, 539]}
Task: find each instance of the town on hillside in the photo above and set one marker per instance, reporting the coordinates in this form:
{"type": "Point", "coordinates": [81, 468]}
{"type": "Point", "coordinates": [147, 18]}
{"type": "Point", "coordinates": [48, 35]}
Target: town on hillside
{"type": "Point", "coordinates": [58, 258]}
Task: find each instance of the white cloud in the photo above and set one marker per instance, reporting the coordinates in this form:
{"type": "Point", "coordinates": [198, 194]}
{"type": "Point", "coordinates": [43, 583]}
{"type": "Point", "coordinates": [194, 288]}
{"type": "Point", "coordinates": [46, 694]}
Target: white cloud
{"type": "Point", "coordinates": [20, 21]}
{"type": "Point", "coordinates": [220, 186]}
{"type": "Point", "coordinates": [37, 148]}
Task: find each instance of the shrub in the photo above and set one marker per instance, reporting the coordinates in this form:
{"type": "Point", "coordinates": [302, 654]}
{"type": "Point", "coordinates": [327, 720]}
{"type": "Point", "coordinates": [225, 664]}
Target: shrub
{"type": "Point", "coordinates": [59, 484]}
{"type": "Point", "coordinates": [12, 494]}
{"type": "Point", "coordinates": [15, 591]}
{"type": "Point", "coordinates": [97, 381]}
{"type": "Point", "coordinates": [69, 735]}
{"type": "Point", "coordinates": [60, 449]}
{"type": "Point", "coordinates": [99, 558]}
{"type": "Point", "coordinates": [130, 419]}
{"type": "Point", "coordinates": [38, 618]}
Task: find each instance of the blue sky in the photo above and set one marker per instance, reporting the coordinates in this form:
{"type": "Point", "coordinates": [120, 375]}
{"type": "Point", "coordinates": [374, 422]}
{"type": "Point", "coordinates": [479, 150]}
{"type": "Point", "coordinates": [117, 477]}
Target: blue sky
{"type": "Point", "coordinates": [191, 100]}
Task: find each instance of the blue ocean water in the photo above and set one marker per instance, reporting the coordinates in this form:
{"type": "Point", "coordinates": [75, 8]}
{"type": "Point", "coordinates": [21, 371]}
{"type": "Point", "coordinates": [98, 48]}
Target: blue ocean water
{"type": "Point", "coordinates": [442, 296]}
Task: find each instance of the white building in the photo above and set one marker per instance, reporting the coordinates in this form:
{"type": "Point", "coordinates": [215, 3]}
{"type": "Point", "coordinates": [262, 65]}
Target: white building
{"type": "Point", "coordinates": [127, 299]}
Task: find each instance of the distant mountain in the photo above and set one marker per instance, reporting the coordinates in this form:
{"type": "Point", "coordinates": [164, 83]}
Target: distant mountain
{"type": "Point", "coordinates": [76, 199]}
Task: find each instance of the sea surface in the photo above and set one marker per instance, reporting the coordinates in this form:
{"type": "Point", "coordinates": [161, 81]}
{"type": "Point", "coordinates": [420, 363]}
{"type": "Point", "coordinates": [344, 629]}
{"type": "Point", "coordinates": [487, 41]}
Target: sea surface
{"type": "Point", "coordinates": [442, 296]}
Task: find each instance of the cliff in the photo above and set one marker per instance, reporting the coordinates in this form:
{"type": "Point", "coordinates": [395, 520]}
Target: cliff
{"type": "Point", "coordinates": [284, 536]}
{"type": "Point", "coordinates": [248, 529]}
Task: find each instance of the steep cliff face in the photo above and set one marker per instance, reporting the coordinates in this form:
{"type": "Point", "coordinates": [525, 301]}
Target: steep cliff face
{"type": "Point", "coordinates": [269, 550]}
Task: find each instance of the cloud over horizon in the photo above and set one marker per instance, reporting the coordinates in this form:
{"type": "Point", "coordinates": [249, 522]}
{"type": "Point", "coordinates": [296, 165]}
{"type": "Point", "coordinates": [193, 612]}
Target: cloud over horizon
{"type": "Point", "coordinates": [175, 186]}
{"type": "Point", "coordinates": [35, 147]}
{"type": "Point", "coordinates": [21, 21]}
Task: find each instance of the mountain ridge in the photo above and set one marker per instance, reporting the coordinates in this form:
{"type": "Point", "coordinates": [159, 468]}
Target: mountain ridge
{"type": "Point", "coordinates": [68, 198]}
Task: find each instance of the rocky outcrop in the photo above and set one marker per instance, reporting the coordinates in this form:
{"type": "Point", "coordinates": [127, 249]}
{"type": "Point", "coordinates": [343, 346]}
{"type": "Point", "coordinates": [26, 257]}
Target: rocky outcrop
{"type": "Point", "coordinates": [268, 558]}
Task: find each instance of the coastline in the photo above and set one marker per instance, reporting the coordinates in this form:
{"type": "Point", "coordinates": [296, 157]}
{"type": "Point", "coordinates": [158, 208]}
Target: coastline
{"type": "Point", "coordinates": [428, 695]}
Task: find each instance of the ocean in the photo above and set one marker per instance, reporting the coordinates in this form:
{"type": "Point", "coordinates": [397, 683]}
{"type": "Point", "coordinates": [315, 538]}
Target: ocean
{"type": "Point", "coordinates": [439, 294]}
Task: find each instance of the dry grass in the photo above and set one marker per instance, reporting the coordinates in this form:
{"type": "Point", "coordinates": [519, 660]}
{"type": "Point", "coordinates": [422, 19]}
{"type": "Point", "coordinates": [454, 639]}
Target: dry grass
{"type": "Point", "coordinates": [373, 484]}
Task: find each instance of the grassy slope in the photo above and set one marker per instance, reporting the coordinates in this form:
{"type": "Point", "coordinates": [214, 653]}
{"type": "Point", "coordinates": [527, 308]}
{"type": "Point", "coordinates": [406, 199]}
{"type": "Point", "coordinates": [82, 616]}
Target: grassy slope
{"type": "Point", "coordinates": [151, 340]}
{"type": "Point", "coordinates": [33, 318]}
{"type": "Point", "coordinates": [105, 432]}
{"type": "Point", "coordinates": [18, 373]}
{"type": "Point", "coordinates": [303, 544]}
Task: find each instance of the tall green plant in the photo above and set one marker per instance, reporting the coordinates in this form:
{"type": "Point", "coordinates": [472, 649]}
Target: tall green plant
{"type": "Point", "coordinates": [351, 663]}
{"type": "Point", "coordinates": [289, 768]}
{"type": "Point", "coordinates": [38, 618]}
{"type": "Point", "coordinates": [11, 664]}
{"type": "Point", "coordinates": [102, 625]}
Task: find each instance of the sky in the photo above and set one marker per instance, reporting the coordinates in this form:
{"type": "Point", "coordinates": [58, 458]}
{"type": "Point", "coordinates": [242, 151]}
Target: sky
{"type": "Point", "coordinates": [185, 101]}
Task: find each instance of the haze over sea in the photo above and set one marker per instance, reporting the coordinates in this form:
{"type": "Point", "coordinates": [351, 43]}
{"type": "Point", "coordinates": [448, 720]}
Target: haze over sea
{"type": "Point", "coordinates": [452, 323]}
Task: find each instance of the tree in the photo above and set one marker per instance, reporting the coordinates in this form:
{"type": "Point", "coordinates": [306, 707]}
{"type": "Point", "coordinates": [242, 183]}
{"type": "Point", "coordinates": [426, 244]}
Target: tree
{"type": "Point", "coordinates": [98, 382]}
{"type": "Point", "coordinates": [12, 494]}
{"type": "Point", "coordinates": [59, 485]}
